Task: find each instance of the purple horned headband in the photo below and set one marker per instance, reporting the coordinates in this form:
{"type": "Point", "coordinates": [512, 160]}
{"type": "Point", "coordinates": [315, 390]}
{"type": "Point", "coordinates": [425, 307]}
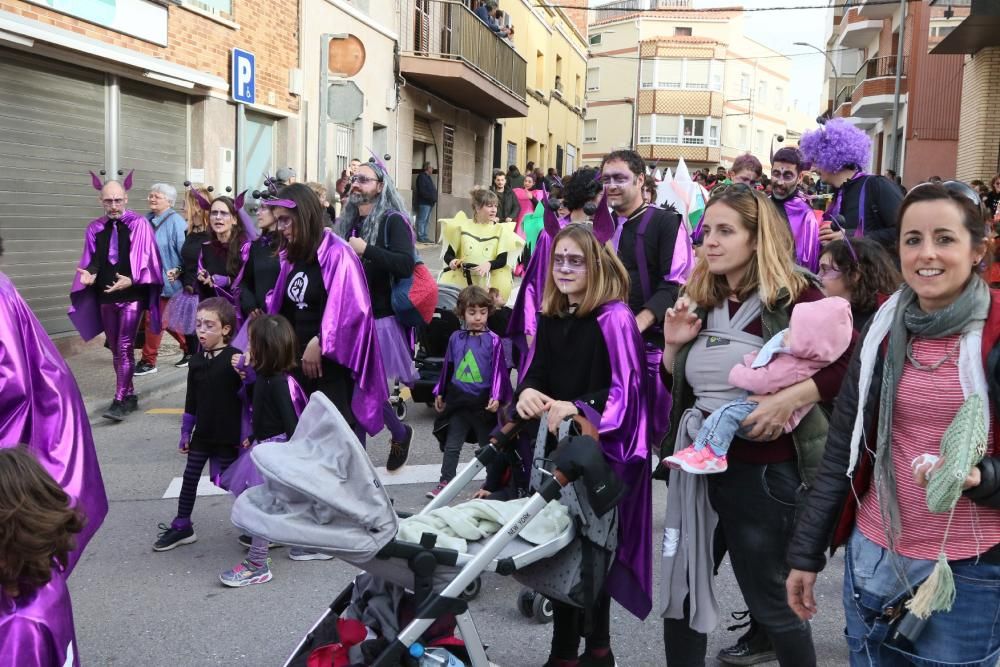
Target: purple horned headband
{"type": "Point", "coordinates": [98, 184]}
{"type": "Point", "coordinates": [283, 203]}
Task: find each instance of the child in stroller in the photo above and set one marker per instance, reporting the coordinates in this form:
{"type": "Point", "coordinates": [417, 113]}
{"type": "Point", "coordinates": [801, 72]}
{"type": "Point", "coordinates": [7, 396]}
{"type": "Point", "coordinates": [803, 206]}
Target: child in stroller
{"type": "Point", "coordinates": [473, 381]}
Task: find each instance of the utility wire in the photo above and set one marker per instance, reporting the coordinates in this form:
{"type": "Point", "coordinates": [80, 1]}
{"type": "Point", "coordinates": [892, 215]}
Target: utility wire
{"type": "Point", "coordinates": [596, 56]}
{"type": "Point", "coordinates": [607, 8]}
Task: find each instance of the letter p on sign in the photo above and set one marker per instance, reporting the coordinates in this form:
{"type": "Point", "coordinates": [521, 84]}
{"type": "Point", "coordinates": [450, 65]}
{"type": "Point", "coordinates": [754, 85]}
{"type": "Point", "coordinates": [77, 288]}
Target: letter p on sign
{"type": "Point", "coordinates": [243, 88]}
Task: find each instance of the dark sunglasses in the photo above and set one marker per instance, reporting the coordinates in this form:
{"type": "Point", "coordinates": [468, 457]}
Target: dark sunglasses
{"type": "Point", "coordinates": [959, 188]}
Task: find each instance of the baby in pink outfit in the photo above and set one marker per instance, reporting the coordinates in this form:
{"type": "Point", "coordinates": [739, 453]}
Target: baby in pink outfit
{"type": "Point", "coordinates": [819, 332]}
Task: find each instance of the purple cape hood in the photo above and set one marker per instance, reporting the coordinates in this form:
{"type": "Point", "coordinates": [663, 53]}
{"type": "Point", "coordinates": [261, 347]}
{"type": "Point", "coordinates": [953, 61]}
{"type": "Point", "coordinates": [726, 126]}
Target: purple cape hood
{"type": "Point", "coordinates": [625, 441]}
{"type": "Point", "coordinates": [38, 628]}
{"type": "Point", "coordinates": [41, 407]}
{"type": "Point", "coordinates": [347, 330]}
{"type": "Point", "coordinates": [144, 258]}
{"type": "Point", "coordinates": [805, 230]}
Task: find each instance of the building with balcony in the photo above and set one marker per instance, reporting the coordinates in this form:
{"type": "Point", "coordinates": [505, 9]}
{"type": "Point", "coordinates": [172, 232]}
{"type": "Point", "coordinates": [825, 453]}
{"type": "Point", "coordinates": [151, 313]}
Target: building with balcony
{"type": "Point", "coordinates": [973, 33]}
{"type": "Point", "coordinates": [924, 141]}
{"type": "Point", "coordinates": [552, 38]}
{"type": "Point", "coordinates": [682, 84]}
{"type": "Point", "coordinates": [457, 77]}
{"type": "Point", "coordinates": [133, 84]}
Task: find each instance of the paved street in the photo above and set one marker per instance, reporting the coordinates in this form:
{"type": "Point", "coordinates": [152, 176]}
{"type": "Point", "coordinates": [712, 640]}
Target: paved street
{"type": "Point", "coordinates": [137, 607]}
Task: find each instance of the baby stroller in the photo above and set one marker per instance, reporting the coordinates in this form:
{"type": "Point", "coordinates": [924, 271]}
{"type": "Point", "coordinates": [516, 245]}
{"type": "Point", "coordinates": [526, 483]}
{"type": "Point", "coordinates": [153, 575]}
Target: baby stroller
{"type": "Point", "coordinates": [432, 344]}
{"type": "Point", "coordinates": [321, 492]}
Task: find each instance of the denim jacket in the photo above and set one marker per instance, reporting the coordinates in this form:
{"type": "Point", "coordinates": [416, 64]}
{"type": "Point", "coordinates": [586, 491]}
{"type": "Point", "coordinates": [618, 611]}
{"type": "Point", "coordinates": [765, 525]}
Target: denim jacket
{"type": "Point", "coordinates": [169, 228]}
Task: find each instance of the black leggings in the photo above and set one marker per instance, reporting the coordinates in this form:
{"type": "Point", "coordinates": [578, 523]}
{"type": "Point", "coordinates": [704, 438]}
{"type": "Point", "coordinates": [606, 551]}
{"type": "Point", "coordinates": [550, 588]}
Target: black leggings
{"type": "Point", "coordinates": [192, 474]}
{"type": "Point", "coordinates": [568, 625]}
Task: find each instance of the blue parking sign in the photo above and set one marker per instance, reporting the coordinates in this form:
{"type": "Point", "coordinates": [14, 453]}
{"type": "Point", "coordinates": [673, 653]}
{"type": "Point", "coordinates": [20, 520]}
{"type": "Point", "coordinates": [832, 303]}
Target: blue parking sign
{"type": "Point", "coordinates": [242, 83]}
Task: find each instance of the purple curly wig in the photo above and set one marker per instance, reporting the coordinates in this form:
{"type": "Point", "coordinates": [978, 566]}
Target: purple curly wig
{"type": "Point", "coordinates": [836, 145]}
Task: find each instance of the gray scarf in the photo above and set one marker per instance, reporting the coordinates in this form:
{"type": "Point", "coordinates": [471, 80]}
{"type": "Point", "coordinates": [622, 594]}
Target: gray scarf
{"type": "Point", "coordinates": [967, 313]}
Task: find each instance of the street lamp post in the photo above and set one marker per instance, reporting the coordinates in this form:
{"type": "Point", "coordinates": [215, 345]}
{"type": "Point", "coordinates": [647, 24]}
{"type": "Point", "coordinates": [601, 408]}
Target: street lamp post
{"type": "Point", "coordinates": [836, 75]}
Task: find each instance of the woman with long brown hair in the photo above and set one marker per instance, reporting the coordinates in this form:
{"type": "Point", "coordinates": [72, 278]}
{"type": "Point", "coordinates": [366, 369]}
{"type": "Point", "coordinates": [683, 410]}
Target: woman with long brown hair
{"type": "Point", "coordinates": [587, 359]}
{"type": "Point", "coordinates": [741, 293]}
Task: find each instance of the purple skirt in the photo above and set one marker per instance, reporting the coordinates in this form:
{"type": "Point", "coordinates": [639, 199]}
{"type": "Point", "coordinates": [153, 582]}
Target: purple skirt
{"type": "Point", "coordinates": [179, 315]}
{"type": "Point", "coordinates": [243, 472]}
{"type": "Point", "coordinates": [397, 354]}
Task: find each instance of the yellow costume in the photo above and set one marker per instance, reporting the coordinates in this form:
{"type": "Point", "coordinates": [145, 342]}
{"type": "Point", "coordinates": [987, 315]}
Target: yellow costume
{"type": "Point", "coordinates": [476, 243]}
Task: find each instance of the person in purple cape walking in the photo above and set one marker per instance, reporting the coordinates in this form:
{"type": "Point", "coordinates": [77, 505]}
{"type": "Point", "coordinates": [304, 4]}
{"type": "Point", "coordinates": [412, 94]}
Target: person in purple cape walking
{"type": "Point", "coordinates": [787, 166]}
{"type": "Point", "coordinates": [119, 276]}
{"type": "Point", "coordinates": [655, 248]}
{"type": "Point", "coordinates": [41, 408]}
{"type": "Point", "coordinates": [36, 615]}
{"type": "Point", "coordinates": [588, 359]}
{"type": "Point", "coordinates": [867, 204]}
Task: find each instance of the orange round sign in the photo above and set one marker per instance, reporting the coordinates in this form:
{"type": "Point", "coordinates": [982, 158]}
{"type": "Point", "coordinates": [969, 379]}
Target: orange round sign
{"type": "Point", "coordinates": [347, 55]}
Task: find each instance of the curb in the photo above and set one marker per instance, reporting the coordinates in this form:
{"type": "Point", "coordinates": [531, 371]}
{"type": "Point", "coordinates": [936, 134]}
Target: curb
{"type": "Point", "coordinates": [162, 383]}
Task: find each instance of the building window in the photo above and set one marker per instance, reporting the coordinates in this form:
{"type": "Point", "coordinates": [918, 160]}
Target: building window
{"type": "Point", "coordinates": [744, 85]}
{"type": "Point", "coordinates": [779, 98]}
{"type": "Point", "coordinates": [744, 138]}
{"type": "Point", "coordinates": [590, 130]}
{"type": "Point", "coordinates": [539, 70]}
{"type": "Point", "coordinates": [570, 159]}
{"type": "Point", "coordinates": [447, 158]}
{"type": "Point", "coordinates": [213, 6]}
{"type": "Point", "coordinates": [593, 78]}
{"type": "Point", "coordinates": [682, 32]}
{"type": "Point", "coordinates": [511, 153]}
{"type": "Point", "coordinates": [761, 148]}
{"type": "Point", "coordinates": [678, 130]}
{"type": "Point", "coordinates": [595, 40]}
{"type": "Point", "coordinates": [344, 146]}
{"type": "Point", "coordinates": [678, 73]}
{"type": "Point", "coordinates": [762, 92]}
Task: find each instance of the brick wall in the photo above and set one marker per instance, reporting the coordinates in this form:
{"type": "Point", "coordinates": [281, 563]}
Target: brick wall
{"type": "Point", "coordinates": [979, 124]}
{"type": "Point", "coordinates": [267, 28]}
{"type": "Point", "coordinates": [576, 12]}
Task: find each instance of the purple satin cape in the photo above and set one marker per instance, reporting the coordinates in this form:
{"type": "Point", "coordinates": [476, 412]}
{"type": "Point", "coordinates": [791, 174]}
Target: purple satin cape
{"type": "Point", "coordinates": [805, 230]}
{"type": "Point", "coordinates": [37, 629]}
{"type": "Point", "coordinates": [41, 407]}
{"type": "Point", "coordinates": [625, 441]}
{"type": "Point", "coordinates": [524, 315]}
{"type": "Point", "coordinates": [144, 258]}
{"type": "Point", "coordinates": [347, 331]}
{"type": "Point", "coordinates": [499, 380]}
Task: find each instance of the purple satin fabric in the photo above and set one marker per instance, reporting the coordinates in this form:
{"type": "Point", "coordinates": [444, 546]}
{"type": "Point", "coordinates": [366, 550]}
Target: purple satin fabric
{"type": "Point", "coordinates": [144, 259]}
{"type": "Point", "coordinates": [113, 244]}
{"type": "Point", "coordinates": [42, 407]}
{"type": "Point", "coordinates": [805, 230]}
{"type": "Point", "coordinates": [524, 314]}
{"type": "Point", "coordinates": [658, 396]}
{"type": "Point", "coordinates": [37, 630]}
{"type": "Point", "coordinates": [682, 262]}
{"type": "Point", "coordinates": [347, 334]}
{"type": "Point", "coordinates": [121, 322]}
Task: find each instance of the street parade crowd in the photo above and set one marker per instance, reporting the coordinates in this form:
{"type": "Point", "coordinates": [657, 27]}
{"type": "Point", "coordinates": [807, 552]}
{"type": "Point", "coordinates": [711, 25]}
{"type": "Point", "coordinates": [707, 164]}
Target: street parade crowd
{"type": "Point", "coordinates": [809, 362]}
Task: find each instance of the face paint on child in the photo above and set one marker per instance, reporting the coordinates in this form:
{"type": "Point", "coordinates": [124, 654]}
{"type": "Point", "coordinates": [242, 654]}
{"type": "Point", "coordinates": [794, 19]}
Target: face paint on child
{"type": "Point", "coordinates": [211, 332]}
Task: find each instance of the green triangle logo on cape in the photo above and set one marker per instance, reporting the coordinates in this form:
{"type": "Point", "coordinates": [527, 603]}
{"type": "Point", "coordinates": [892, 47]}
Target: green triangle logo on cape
{"type": "Point", "coordinates": [468, 370]}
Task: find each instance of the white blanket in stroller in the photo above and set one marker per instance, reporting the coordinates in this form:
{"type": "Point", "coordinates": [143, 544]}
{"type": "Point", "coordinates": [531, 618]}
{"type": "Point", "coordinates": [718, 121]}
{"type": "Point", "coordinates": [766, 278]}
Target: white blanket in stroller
{"type": "Point", "coordinates": [476, 519]}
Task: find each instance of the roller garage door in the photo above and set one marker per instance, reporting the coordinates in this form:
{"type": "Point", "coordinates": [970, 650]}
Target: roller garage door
{"type": "Point", "coordinates": [152, 139]}
{"type": "Point", "coordinates": [51, 132]}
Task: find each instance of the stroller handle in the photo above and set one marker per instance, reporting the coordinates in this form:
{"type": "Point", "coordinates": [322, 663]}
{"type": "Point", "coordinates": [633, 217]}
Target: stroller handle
{"type": "Point", "coordinates": [509, 432]}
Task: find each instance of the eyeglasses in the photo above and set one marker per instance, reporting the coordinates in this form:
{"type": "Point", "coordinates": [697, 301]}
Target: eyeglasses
{"type": "Point", "coordinates": [569, 262]}
{"type": "Point", "coordinates": [113, 202]}
{"type": "Point", "coordinates": [362, 179]}
{"type": "Point", "coordinates": [786, 176]}
{"type": "Point", "coordinates": [828, 270]}
{"type": "Point", "coordinates": [283, 221]}
{"type": "Point", "coordinates": [617, 179]}
{"type": "Point", "coordinates": [219, 215]}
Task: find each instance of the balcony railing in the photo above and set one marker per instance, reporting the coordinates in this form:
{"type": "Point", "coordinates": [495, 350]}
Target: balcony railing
{"type": "Point", "coordinates": [878, 67]}
{"type": "Point", "coordinates": [672, 140]}
{"type": "Point", "coordinates": [449, 29]}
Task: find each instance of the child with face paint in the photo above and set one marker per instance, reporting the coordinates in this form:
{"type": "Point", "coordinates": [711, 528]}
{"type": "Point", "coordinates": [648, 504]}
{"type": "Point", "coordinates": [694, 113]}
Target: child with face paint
{"type": "Point", "coordinates": [211, 428]}
{"type": "Point", "coordinates": [474, 380]}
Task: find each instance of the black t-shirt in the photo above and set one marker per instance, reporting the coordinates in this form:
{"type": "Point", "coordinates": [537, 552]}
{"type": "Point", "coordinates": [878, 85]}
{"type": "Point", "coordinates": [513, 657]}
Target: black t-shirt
{"type": "Point", "coordinates": [273, 412]}
{"type": "Point", "coordinates": [304, 300]}
{"type": "Point", "coordinates": [107, 272]}
{"type": "Point", "coordinates": [259, 274]}
{"type": "Point", "coordinates": [190, 252]}
{"type": "Point", "coordinates": [383, 262]}
{"type": "Point", "coordinates": [213, 398]}
{"type": "Point", "coordinates": [660, 237]}
{"type": "Point", "coordinates": [571, 361]}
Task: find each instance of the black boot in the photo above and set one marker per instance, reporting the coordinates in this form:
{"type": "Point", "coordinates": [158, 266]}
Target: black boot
{"type": "Point", "coordinates": [752, 648]}
{"type": "Point", "coordinates": [116, 412]}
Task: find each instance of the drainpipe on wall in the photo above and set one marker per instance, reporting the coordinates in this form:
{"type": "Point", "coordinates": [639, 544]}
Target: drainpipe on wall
{"type": "Point", "coordinates": [896, 139]}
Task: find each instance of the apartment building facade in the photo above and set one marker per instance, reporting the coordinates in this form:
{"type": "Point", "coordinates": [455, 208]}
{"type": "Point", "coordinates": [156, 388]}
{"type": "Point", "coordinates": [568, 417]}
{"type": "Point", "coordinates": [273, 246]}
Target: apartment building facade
{"type": "Point", "coordinates": [867, 35]}
{"type": "Point", "coordinates": [673, 83]}
{"type": "Point", "coordinates": [135, 84]}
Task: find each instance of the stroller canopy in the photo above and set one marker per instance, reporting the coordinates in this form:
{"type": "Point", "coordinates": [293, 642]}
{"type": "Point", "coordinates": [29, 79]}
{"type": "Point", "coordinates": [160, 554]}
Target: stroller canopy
{"type": "Point", "coordinates": [320, 490]}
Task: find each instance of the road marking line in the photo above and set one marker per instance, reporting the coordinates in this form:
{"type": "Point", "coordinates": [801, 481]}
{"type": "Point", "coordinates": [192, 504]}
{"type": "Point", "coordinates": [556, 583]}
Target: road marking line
{"type": "Point", "coordinates": [165, 411]}
{"type": "Point", "coordinates": [414, 474]}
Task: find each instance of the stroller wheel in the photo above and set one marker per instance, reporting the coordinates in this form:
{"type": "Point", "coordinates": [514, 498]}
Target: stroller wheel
{"type": "Point", "coordinates": [471, 591]}
{"type": "Point", "coordinates": [526, 602]}
{"type": "Point", "coordinates": [400, 406]}
{"type": "Point", "coordinates": [542, 609]}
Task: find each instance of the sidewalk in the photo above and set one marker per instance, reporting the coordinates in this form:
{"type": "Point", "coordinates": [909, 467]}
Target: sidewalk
{"type": "Point", "coordinates": [91, 362]}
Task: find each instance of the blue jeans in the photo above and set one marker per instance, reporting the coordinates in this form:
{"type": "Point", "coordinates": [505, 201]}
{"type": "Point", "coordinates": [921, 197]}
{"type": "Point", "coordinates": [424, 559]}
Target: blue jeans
{"type": "Point", "coordinates": [967, 636]}
{"type": "Point", "coordinates": [423, 215]}
{"type": "Point", "coordinates": [722, 426]}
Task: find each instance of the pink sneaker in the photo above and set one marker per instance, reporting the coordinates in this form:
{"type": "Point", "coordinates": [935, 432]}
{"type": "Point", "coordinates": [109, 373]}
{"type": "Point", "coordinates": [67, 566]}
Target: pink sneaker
{"type": "Point", "coordinates": [698, 462]}
{"type": "Point", "coordinates": [433, 493]}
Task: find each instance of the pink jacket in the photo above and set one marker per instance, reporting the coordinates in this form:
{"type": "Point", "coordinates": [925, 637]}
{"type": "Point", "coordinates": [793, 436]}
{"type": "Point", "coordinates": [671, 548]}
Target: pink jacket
{"type": "Point", "coordinates": [819, 333]}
